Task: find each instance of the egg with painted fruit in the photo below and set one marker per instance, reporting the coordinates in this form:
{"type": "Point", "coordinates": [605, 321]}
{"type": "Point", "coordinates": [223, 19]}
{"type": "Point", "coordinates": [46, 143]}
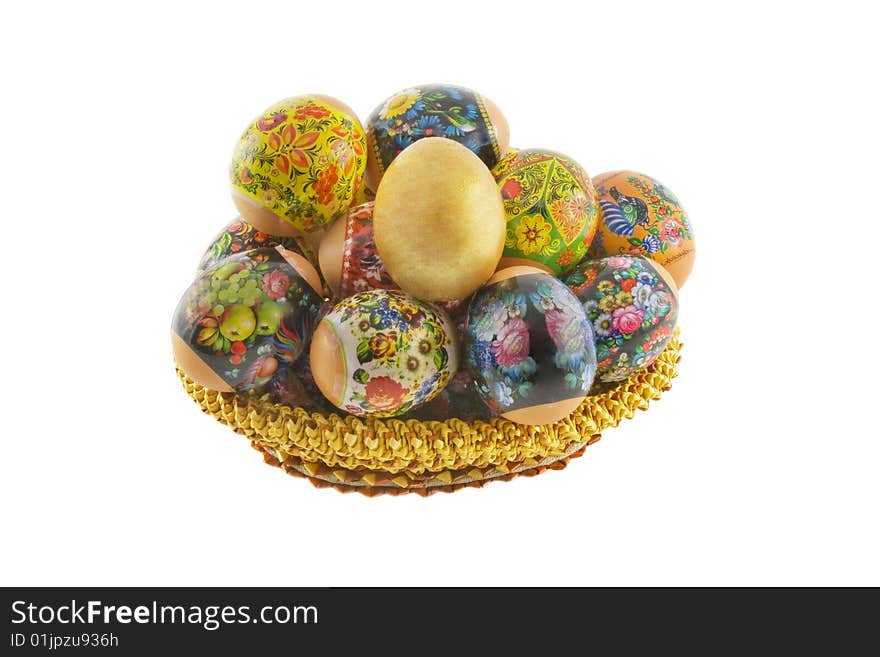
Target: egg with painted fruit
{"type": "Point", "coordinates": [381, 353]}
{"type": "Point", "coordinates": [529, 346]}
{"type": "Point", "coordinates": [438, 221]}
{"type": "Point", "coordinates": [298, 166]}
{"type": "Point", "coordinates": [550, 207]}
{"type": "Point", "coordinates": [640, 216]}
{"type": "Point", "coordinates": [239, 236]}
{"type": "Point", "coordinates": [632, 304]}
{"type": "Point", "coordinates": [246, 318]}
{"type": "Point", "coordinates": [434, 110]}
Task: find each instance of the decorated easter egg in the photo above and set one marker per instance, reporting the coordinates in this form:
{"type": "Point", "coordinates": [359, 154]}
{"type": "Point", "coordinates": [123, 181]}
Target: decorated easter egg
{"type": "Point", "coordinates": [245, 318]}
{"type": "Point", "coordinates": [550, 207]}
{"type": "Point", "coordinates": [298, 165]}
{"type": "Point", "coordinates": [239, 236]}
{"type": "Point", "coordinates": [640, 216]}
{"type": "Point", "coordinates": [440, 236]}
{"type": "Point", "coordinates": [380, 353]}
{"type": "Point", "coordinates": [348, 257]}
{"type": "Point", "coordinates": [435, 110]}
{"type": "Point", "coordinates": [632, 303]}
{"type": "Point", "coordinates": [529, 346]}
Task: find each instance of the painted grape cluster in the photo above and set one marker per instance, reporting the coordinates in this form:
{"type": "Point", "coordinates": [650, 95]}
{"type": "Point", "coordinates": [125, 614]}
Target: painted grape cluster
{"type": "Point", "coordinates": [247, 316]}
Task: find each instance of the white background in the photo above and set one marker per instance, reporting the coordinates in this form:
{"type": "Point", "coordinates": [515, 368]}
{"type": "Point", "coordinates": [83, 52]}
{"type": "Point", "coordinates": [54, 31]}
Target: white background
{"type": "Point", "coordinates": [760, 466]}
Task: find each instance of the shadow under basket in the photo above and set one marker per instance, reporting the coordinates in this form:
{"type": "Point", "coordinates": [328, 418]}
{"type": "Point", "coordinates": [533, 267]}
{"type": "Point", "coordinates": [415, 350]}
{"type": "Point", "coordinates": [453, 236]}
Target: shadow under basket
{"type": "Point", "coordinates": [389, 456]}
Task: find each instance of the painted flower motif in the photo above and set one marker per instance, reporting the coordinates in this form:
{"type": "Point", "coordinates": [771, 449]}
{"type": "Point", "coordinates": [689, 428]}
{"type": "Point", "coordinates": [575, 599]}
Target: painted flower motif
{"type": "Point", "coordinates": [292, 146]}
{"type": "Point", "coordinates": [383, 345]}
{"type": "Point", "coordinates": [344, 155]}
{"type": "Point", "coordinates": [512, 343]}
{"type": "Point", "coordinates": [325, 183]}
{"type": "Point", "coordinates": [515, 303]}
{"type": "Point", "coordinates": [511, 188]}
{"type": "Point", "coordinates": [602, 325]}
{"type": "Point", "coordinates": [645, 278]}
{"type": "Point", "coordinates": [565, 330]}
{"type": "Point", "coordinates": [502, 393]}
{"type": "Point", "coordinates": [605, 286]}
{"type": "Point", "coordinates": [670, 232]}
{"type": "Point", "coordinates": [627, 320]}
{"type": "Point", "coordinates": [623, 298]}
{"type": "Point", "coordinates": [651, 243]}
{"type": "Point", "coordinates": [311, 110]}
{"type": "Point", "coordinates": [627, 284]}
{"type": "Point", "coordinates": [620, 262]}
{"type": "Point", "coordinates": [569, 215]}
{"type": "Point", "coordinates": [532, 234]}
{"type": "Point", "coordinates": [383, 393]}
{"type": "Point", "coordinates": [268, 197]}
{"type": "Point", "coordinates": [397, 105]}
{"type": "Point", "coordinates": [566, 258]}
{"type": "Point", "coordinates": [489, 319]}
{"type": "Point", "coordinates": [275, 284]}
{"type": "Point", "coordinates": [590, 306]}
{"type": "Point", "coordinates": [658, 335]}
{"type": "Point", "coordinates": [408, 312]}
{"type": "Point", "coordinates": [607, 303]}
{"type": "Point", "coordinates": [640, 295]}
{"type": "Point", "coordinates": [660, 302]}
{"type": "Point", "coordinates": [428, 125]}
{"type": "Point", "coordinates": [272, 121]}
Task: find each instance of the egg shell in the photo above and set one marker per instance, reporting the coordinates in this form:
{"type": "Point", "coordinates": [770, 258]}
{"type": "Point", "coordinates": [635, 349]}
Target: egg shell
{"type": "Point", "coordinates": [440, 236]}
{"type": "Point", "coordinates": [632, 304]}
{"type": "Point", "coordinates": [529, 346]}
{"type": "Point", "coordinates": [239, 236]}
{"type": "Point", "coordinates": [350, 261]}
{"type": "Point", "coordinates": [243, 312]}
{"type": "Point", "coordinates": [434, 110]}
{"type": "Point", "coordinates": [550, 207]}
{"type": "Point", "coordinates": [300, 162]}
{"type": "Point", "coordinates": [381, 352]}
{"type": "Point", "coordinates": [639, 216]}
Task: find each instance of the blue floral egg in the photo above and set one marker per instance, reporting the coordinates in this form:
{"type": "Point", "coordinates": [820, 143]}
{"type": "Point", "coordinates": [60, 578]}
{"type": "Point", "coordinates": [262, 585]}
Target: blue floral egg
{"type": "Point", "coordinates": [632, 304]}
{"type": "Point", "coordinates": [529, 346]}
{"type": "Point", "coordinates": [434, 110]}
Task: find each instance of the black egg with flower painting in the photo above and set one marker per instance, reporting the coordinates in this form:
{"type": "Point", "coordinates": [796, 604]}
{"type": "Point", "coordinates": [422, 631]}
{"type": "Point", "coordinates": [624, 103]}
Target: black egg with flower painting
{"type": "Point", "coordinates": [434, 110]}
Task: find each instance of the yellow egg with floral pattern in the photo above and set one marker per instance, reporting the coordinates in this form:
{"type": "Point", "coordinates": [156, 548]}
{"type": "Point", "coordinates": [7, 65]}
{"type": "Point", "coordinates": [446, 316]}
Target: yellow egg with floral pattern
{"type": "Point", "coordinates": [299, 165]}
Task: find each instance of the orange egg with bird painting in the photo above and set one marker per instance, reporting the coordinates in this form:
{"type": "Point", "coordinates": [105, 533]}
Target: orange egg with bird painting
{"type": "Point", "coordinates": [640, 216]}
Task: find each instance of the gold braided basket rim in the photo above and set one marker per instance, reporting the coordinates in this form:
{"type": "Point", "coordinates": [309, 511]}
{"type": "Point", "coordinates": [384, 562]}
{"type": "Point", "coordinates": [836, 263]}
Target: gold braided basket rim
{"type": "Point", "coordinates": [412, 453]}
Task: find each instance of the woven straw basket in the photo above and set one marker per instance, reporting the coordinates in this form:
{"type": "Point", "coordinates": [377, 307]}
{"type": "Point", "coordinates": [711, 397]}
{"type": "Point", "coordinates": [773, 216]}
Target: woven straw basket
{"type": "Point", "coordinates": [389, 456]}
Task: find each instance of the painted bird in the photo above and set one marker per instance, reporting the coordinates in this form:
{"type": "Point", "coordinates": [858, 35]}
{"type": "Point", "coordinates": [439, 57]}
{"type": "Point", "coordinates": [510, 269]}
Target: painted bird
{"type": "Point", "coordinates": [622, 216]}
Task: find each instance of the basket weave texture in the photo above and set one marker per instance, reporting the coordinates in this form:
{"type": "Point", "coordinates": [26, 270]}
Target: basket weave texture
{"type": "Point", "coordinates": [376, 456]}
